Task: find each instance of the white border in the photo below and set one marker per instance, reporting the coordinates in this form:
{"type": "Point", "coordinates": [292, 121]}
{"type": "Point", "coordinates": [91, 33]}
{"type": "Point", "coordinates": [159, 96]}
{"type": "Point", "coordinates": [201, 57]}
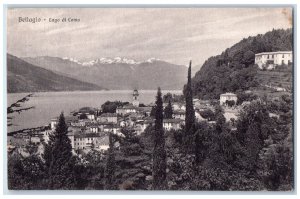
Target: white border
{"type": "Point", "coordinates": [132, 2]}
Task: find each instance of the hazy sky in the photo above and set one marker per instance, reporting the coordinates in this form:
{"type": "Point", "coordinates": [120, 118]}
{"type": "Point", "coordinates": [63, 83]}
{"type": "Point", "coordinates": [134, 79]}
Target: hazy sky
{"type": "Point", "coordinates": [172, 34]}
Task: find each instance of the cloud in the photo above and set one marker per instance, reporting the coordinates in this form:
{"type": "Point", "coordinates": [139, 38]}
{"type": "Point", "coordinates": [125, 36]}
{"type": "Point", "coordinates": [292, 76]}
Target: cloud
{"type": "Point", "coordinates": [172, 34]}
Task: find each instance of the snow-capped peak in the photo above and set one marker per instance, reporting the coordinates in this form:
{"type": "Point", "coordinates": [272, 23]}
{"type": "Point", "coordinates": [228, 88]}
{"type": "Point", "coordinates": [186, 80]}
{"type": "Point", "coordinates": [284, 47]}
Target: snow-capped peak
{"type": "Point", "coordinates": [120, 60]}
{"type": "Point", "coordinates": [107, 60]}
{"type": "Point", "coordinates": [151, 60]}
{"type": "Point", "coordinates": [72, 60]}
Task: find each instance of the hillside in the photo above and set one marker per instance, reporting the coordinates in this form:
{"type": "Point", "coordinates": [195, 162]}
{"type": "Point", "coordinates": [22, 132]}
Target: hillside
{"type": "Point", "coordinates": [25, 77]}
{"type": "Point", "coordinates": [117, 73]}
{"type": "Point", "coordinates": [234, 69]}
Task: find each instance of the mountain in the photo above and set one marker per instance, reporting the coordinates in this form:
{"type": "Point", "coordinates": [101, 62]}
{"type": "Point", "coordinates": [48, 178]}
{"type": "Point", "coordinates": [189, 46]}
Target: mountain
{"type": "Point", "coordinates": [234, 69]}
{"type": "Point", "coordinates": [195, 69]}
{"type": "Point", "coordinates": [117, 73]}
{"type": "Point", "coordinates": [25, 77]}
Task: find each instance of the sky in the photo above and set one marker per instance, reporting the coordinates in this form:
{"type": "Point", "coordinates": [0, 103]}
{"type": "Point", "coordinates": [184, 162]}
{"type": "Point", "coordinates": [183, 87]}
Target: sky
{"type": "Point", "coordinates": [175, 35]}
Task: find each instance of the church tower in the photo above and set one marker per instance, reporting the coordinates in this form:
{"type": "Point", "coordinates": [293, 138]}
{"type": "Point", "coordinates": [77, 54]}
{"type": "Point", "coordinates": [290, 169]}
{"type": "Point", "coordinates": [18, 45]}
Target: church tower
{"type": "Point", "coordinates": [135, 101]}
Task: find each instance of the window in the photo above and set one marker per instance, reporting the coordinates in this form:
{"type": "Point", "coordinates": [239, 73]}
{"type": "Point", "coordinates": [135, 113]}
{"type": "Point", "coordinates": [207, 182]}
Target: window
{"type": "Point", "coordinates": [282, 55]}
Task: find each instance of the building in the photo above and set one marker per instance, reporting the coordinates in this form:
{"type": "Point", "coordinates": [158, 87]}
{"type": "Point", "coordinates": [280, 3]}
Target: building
{"type": "Point", "coordinates": [84, 140]}
{"type": "Point", "coordinates": [178, 106]}
{"type": "Point", "coordinates": [146, 111]}
{"type": "Point", "coordinates": [230, 114]}
{"type": "Point", "coordinates": [35, 139]}
{"type": "Point", "coordinates": [90, 116]}
{"type": "Point", "coordinates": [227, 97]}
{"type": "Point", "coordinates": [46, 135]}
{"type": "Point", "coordinates": [53, 123]}
{"type": "Point", "coordinates": [108, 117]}
{"type": "Point", "coordinates": [269, 60]}
{"type": "Point", "coordinates": [94, 129]}
{"type": "Point", "coordinates": [135, 96]}
{"type": "Point", "coordinates": [179, 114]}
{"type": "Point", "coordinates": [126, 109]}
{"type": "Point", "coordinates": [68, 119]}
{"type": "Point", "coordinates": [115, 129]}
{"type": "Point", "coordinates": [169, 124]}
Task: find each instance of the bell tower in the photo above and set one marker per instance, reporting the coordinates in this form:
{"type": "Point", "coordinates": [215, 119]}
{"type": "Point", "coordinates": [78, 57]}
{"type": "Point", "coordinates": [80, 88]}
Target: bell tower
{"type": "Point", "coordinates": [135, 101]}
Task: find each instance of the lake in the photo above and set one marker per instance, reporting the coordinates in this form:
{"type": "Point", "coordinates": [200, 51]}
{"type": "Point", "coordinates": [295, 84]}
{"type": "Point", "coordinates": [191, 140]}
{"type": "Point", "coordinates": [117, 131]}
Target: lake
{"type": "Point", "coordinates": [50, 104]}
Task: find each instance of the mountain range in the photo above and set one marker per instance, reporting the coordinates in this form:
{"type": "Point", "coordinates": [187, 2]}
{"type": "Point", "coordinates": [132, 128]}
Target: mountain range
{"type": "Point", "coordinates": [117, 73]}
{"type": "Point", "coordinates": [25, 77]}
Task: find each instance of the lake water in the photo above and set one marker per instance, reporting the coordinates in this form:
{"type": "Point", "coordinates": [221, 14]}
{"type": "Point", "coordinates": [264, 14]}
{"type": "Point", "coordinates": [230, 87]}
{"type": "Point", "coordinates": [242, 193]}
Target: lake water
{"type": "Point", "coordinates": [50, 104]}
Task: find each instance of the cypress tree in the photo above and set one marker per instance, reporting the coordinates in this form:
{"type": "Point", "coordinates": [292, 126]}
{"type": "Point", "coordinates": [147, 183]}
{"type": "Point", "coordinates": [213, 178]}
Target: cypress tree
{"type": "Point", "coordinates": [110, 166]}
{"type": "Point", "coordinates": [169, 111]}
{"type": "Point", "coordinates": [190, 113]}
{"type": "Point", "coordinates": [60, 159]}
{"type": "Point", "coordinates": [159, 153]}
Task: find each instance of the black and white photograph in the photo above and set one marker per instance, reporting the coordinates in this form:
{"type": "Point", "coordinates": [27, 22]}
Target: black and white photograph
{"type": "Point", "coordinates": [150, 98]}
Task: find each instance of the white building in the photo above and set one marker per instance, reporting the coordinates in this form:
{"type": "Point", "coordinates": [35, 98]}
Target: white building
{"type": "Point", "coordinates": [230, 114]}
{"type": "Point", "coordinates": [169, 124]}
{"type": "Point", "coordinates": [53, 123]}
{"type": "Point", "coordinates": [46, 135]}
{"type": "Point", "coordinates": [90, 116]}
{"type": "Point", "coordinates": [227, 97]}
{"type": "Point", "coordinates": [126, 109]}
{"type": "Point", "coordinates": [108, 117]}
{"type": "Point", "coordinates": [270, 60]}
{"type": "Point", "coordinates": [179, 114]}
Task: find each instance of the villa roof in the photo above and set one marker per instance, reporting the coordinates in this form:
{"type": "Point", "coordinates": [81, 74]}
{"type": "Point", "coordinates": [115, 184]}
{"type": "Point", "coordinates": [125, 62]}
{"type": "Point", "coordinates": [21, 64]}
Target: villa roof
{"type": "Point", "coordinates": [179, 111]}
{"type": "Point", "coordinates": [227, 94]}
{"type": "Point", "coordinates": [272, 53]}
{"type": "Point", "coordinates": [172, 121]}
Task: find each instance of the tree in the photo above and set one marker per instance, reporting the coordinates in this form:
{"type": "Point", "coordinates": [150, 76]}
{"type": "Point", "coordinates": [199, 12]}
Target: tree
{"type": "Point", "coordinates": [159, 153]}
{"type": "Point", "coordinates": [16, 108]}
{"type": "Point", "coordinates": [25, 173]}
{"type": "Point", "coordinates": [153, 111]}
{"type": "Point", "coordinates": [168, 111]}
{"type": "Point", "coordinates": [130, 142]}
{"type": "Point", "coordinates": [190, 112]}
{"type": "Point", "coordinates": [208, 114]}
{"type": "Point", "coordinates": [60, 159]}
{"type": "Point", "coordinates": [167, 97]}
{"type": "Point", "coordinates": [248, 58]}
{"type": "Point", "coordinates": [230, 103]}
{"type": "Point", "coordinates": [83, 116]}
{"type": "Point", "coordinates": [110, 166]}
{"type": "Point", "coordinates": [110, 107]}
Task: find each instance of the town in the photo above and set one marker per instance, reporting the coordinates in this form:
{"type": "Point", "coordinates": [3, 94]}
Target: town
{"type": "Point", "coordinates": [89, 127]}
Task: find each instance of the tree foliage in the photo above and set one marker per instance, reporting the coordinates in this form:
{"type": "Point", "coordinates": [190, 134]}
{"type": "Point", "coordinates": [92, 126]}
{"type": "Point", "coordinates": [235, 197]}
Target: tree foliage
{"type": "Point", "coordinates": [189, 113]}
{"type": "Point", "coordinates": [16, 108]}
{"type": "Point", "coordinates": [110, 166]}
{"type": "Point", "coordinates": [110, 107]}
{"type": "Point", "coordinates": [59, 158]}
{"type": "Point", "coordinates": [168, 112]}
{"type": "Point", "coordinates": [159, 153]}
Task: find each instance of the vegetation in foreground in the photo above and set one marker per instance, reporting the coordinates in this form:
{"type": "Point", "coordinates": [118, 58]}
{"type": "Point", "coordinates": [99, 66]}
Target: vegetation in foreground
{"type": "Point", "coordinates": [255, 153]}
